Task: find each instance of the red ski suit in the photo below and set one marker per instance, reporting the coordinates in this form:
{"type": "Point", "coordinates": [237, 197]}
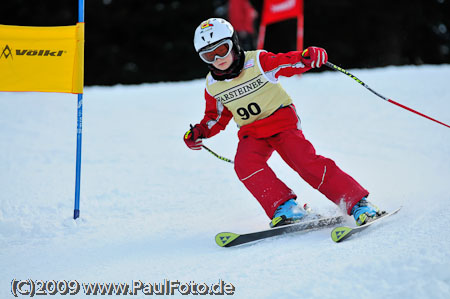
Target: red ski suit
{"type": "Point", "coordinates": [280, 132]}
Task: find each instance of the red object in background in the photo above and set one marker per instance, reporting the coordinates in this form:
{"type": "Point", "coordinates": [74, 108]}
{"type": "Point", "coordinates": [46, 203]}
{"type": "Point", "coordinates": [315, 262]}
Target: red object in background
{"type": "Point", "coordinates": [280, 10]}
{"type": "Point", "coordinates": [241, 15]}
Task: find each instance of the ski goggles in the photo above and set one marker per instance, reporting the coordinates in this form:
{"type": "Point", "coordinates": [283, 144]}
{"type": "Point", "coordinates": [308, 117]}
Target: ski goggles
{"type": "Point", "coordinates": [220, 50]}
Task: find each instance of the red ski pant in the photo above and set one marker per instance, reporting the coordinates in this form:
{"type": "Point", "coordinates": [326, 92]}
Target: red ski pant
{"type": "Point", "coordinates": [321, 173]}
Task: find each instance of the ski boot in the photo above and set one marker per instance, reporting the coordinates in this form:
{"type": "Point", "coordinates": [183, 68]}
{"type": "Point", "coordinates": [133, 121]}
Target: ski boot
{"type": "Point", "coordinates": [287, 213]}
{"type": "Point", "coordinates": [363, 212]}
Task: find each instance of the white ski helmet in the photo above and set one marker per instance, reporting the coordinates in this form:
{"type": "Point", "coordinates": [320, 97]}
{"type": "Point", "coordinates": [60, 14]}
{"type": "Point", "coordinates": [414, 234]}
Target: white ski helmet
{"type": "Point", "coordinates": [211, 31]}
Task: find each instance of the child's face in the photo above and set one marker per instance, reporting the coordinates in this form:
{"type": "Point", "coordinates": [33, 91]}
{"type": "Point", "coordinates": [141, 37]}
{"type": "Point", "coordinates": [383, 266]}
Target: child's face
{"type": "Point", "coordinates": [223, 63]}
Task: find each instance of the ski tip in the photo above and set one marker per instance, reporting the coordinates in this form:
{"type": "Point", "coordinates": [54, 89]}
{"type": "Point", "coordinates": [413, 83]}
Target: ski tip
{"type": "Point", "coordinates": [224, 239]}
{"type": "Point", "coordinates": [396, 211]}
{"type": "Point", "coordinates": [340, 233]}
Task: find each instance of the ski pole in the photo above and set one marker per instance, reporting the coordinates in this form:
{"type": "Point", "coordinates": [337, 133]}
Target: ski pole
{"type": "Point", "coordinates": [214, 154]}
{"type": "Point", "coordinates": [218, 156]}
{"type": "Point", "coordinates": [338, 68]}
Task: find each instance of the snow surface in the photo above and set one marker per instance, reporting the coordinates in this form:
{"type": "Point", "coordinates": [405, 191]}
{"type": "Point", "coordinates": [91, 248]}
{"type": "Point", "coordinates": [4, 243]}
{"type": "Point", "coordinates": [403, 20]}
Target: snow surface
{"type": "Point", "coordinates": [150, 207]}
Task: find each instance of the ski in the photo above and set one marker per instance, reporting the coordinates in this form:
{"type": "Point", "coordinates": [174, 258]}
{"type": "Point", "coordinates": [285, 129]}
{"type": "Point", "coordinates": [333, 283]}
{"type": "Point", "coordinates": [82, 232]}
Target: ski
{"type": "Point", "coordinates": [341, 233]}
{"type": "Point", "coordinates": [227, 239]}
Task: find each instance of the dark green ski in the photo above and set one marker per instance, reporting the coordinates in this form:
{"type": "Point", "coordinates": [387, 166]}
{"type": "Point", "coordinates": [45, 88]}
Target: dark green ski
{"type": "Point", "coordinates": [341, 233]}
{"type": "Point", "coordinates": [227, 239]}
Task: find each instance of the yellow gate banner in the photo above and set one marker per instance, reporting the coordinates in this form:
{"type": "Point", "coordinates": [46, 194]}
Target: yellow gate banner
{"type": "Point", "coordinates": [46, 59]}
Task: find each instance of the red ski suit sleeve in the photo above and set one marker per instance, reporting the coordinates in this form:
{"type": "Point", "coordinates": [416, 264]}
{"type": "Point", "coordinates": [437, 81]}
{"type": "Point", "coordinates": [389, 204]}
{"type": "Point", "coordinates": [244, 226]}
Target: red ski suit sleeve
{"type": "Point", "coordinates": [283, 64]}
{"type": "Point", "coordinates": [216, 118]}
{"type": "Point", "coordinates": [272, 65]}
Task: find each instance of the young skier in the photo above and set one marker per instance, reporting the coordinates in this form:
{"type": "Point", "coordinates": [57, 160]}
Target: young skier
{"type": "Point", "coordinates": [244, 86]}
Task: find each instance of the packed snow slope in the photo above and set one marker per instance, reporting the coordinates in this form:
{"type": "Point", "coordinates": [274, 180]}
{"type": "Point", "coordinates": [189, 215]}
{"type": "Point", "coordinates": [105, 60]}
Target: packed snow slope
{"type": "Point", "coordinates": [150, 207]}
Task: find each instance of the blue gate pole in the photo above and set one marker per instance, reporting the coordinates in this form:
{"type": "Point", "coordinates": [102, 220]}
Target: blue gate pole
{"type": "Point", "coordinates": [76, 211]}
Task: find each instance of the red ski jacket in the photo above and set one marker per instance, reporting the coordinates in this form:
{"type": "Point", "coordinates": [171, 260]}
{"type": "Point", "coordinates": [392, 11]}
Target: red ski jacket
{"type": "Point", "coordinates": [217, 117]}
